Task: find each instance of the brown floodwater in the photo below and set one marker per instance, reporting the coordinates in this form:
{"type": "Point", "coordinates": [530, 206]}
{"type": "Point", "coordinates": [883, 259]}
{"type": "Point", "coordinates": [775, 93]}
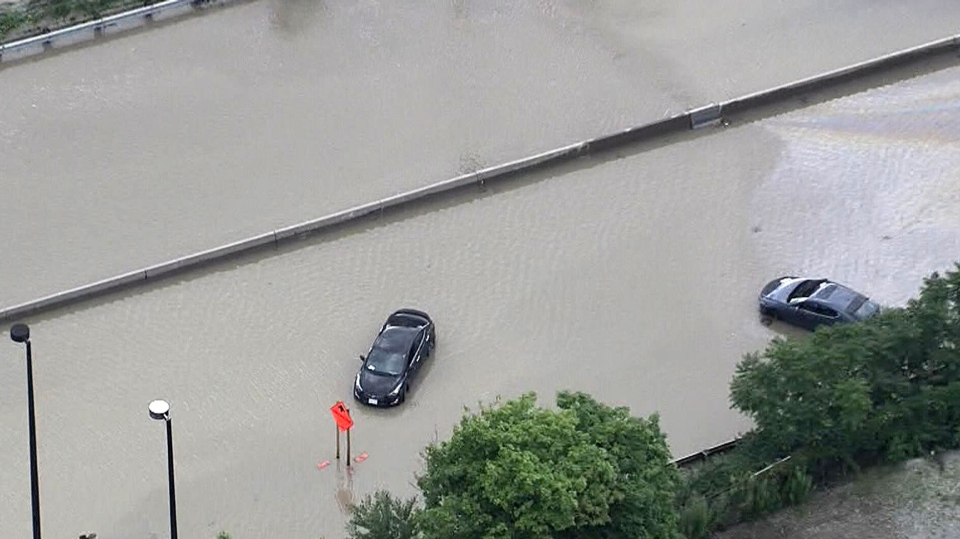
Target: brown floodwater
{"type": "Point", "coordinates": [264, 114]}
{"type": "Point", "coordinates": [632, 278]}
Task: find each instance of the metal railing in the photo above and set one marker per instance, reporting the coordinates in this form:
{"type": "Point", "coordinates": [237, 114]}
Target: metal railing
{"type": "Point", "coordinates": [96, 26]}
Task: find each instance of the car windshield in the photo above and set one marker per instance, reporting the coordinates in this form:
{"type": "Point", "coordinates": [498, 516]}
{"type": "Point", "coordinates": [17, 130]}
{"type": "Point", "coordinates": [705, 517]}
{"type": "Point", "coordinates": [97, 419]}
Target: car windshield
{"type": "Point", "coordinates": [386, 363]}
{"type": "Point", "coordinates": [389, 353]}
{"type": "Point", "coordinates": [864, 308]}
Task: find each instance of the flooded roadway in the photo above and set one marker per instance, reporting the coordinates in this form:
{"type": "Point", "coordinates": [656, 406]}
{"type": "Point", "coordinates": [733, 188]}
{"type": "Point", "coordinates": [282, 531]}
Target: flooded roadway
{"type": "Point", "coordinates": [633, 279]}
{"type": "Point", "coordinates": [264, 114]}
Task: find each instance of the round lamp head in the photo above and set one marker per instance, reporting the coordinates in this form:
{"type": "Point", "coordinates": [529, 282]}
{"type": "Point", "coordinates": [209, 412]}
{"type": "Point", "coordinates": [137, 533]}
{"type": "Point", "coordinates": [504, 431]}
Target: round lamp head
{"type": "Point", "coordinates": [20, 333]}
{"type": "Point", "coordinates": [160, 409]}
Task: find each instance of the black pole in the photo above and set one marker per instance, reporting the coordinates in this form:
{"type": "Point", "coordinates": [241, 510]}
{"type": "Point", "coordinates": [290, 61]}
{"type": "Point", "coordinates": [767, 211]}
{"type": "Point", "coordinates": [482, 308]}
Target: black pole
{"type": "Point", "coordinates": [173, 497]}
{"type": "Point", "coordinates": [34, 475]}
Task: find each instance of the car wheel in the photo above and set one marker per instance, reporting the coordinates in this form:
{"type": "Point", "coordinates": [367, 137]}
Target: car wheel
{"type": "Point", "coordinates": [403, 394]}
{"type": "Point", "coordinates": [766, 319]}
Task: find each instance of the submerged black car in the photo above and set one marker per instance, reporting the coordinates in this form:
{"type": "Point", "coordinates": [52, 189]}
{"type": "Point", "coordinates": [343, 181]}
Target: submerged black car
{"type": "Point", "coordinates": [810, 303]}
{"type": "Point", "coordinates": [406, 339]}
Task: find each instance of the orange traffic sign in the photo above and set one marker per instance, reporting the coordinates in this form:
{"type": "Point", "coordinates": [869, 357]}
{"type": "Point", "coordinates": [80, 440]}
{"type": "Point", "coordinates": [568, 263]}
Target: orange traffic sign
{"type": "Point", "coordinates": [341, 415]}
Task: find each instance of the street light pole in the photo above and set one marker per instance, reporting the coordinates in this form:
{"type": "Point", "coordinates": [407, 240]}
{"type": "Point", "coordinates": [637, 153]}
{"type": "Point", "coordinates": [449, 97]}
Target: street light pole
{"type": "Point", "coordinates": [21, 333]}
{"type": "Point", "coordinates": [160, 410]}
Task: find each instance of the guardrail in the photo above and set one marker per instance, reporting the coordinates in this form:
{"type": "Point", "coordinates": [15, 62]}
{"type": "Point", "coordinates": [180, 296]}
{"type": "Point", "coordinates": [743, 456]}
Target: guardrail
{"type": "Point", "coordinates": [96, 27]}
{"type": "Point", "coordinates": [711, 114]}
{"type": "Point", "coordinates": [700, 456]}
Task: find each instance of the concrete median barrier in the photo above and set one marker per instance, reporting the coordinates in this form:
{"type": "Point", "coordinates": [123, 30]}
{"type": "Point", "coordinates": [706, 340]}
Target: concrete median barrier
{"type": "Point", "coordinates": [711, 114]}
{"type": "Point", "coordinates": [949, 46]}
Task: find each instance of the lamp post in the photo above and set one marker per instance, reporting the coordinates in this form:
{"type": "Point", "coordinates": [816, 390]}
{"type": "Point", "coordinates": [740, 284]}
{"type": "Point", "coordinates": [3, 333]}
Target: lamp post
{"type": "Point", "coordinates": [21, 333]}
{"type": "Point", "coordinates": [160, 410]}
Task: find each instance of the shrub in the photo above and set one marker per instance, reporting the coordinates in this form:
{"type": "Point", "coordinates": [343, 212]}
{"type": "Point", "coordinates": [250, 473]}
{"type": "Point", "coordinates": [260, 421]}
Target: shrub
{"type": "Point", "coordinates": [383, 516]}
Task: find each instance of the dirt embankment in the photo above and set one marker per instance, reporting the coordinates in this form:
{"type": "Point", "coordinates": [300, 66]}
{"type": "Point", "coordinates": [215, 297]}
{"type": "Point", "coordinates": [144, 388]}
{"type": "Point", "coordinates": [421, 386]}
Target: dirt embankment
{"type": "Point", "coordinates": [919, 499]}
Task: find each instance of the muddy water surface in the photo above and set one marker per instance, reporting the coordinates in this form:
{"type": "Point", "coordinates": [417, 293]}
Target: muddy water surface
{"type": "Point", "coordinates": [868, 187]}
{"type": "Point", "coordinates": [591, 280]}
{"type": "Point", "coordinates": [156, 144]}
{"type": "Point", "coordinates": [632, 278]}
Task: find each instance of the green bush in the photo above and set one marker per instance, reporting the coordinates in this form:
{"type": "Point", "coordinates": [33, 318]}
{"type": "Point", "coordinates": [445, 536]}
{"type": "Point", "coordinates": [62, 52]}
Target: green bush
{"type": "Point", "coordinates": [850, 396]}
{"type": "Point", "coordinates": [517, 470]}
{"type": "Point", "coordinates": [383, 516]}
{"type": "Point", "coordinates": [796, 487]}
{"type": "Point", "coordinates": [755, 495]}
{"type": "Point", "coordinates": [696, 518]}
{"type": "Point", "coordinates": [10, 20]}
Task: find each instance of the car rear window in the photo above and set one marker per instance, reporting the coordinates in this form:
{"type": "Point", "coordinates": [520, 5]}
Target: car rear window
{"type": "Point", "coordinates": [394, 339]}
{"type": "Point", "coordinates": [806, 289]}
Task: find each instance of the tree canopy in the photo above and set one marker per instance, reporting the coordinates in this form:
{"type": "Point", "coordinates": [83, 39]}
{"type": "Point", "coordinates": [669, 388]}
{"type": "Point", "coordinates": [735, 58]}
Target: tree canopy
{"type": "Point", "coordinates": [382, 516]}
{"type": "Point", "coordinates": [882, 390]}
{"type": "Point", "coordinates": [515, 470]}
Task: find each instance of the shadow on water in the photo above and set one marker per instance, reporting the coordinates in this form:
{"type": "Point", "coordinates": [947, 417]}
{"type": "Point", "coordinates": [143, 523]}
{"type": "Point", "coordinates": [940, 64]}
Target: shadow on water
{"type": "Point", "coordinates": [294, 17]}
{"type": "Point", "coordinates": [460, 9]}
{"type": "Point", "coordinates": [787, 331]}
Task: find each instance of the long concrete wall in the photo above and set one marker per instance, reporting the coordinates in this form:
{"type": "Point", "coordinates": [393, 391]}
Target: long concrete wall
{"type": "Point", "coordinates": [712, 114]}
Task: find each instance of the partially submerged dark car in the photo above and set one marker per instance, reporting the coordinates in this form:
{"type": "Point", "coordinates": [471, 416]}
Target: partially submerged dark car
{"type": "Point", "coordinates": [810, 303]}
{"type": "Point", "coordinates": [405, 340]}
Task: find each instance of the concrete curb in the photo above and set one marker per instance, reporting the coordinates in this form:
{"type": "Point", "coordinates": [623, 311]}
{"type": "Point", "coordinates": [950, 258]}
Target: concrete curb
{"type": "Point", "coordinates": [711, 114]}
{"type": "Point", "coordinates": [94, 29]}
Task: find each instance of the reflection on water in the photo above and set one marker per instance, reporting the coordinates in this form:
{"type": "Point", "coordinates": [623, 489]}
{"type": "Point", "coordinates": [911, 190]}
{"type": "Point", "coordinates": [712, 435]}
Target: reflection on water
{"type": "Point", "coordinates": [293, 17]}
{"type": "Point", "coordinates": [346, 498]}
{"type": "Point", "coordinates": [865, 183]}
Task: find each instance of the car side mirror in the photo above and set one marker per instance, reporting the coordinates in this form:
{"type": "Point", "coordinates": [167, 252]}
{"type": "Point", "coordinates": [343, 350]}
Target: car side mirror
{"type": "Point", "coordinates": [362, 358]}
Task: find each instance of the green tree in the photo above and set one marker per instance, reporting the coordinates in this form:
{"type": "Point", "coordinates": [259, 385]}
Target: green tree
{"type": "Point", "coordinates": [383, 516]}
{"type": "Point", "coordinates": [514, 470]}
{"type": "Point", "coordinates": [807, 394]}
{"type": "Point", "coordinates": [886, 389]}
